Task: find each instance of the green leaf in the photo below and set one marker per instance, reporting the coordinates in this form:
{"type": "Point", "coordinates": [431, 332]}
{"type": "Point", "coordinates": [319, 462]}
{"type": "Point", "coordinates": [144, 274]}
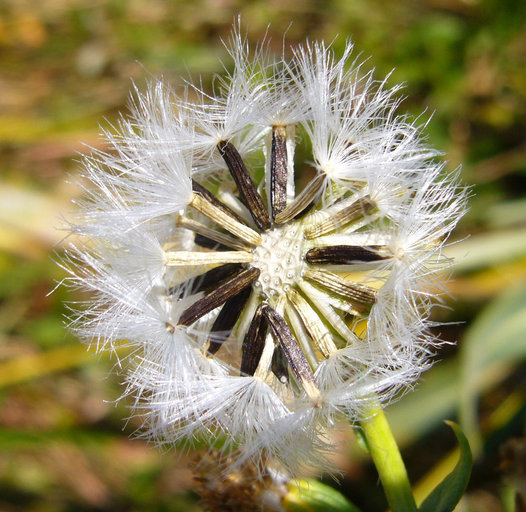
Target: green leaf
{"type": "Point", "coordinates": [434, 399]}
{"type": "Point", "coordinates": [493, 343]}
{"type": "Point", "coordinates": [447, 493]}
{"type": "Point", "coordinates": [38, 365]}
{"type": "Point", "coordinates": [488, 249]}
{"type": "Point", "coordinates": [505, 213]}
{"type": "Point", "coordinates": [309, 495]}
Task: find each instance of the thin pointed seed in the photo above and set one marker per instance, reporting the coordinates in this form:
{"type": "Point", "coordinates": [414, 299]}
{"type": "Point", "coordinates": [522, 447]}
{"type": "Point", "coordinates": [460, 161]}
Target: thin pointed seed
{"type": "Point", "coordinates": [265, 363]}
{"type": "Point", "coordinates": [212, 234]}
{"type": "Point", "coordinates": [334, 319]}
{"type": "Point", "coordinates": [181, 258]}
{"type": "Point", "coordinates": [227, 318]}
{"type": "Point", "coordinates": [230, 199]}
{"type": "Point", "coordinates": [254, 343]}
{"type": "Point", "coordinates": [247, 314]}
{"type": "Point", "coordinates": [279, 365]}
{"type": "Point", "coordinates": [291, 146]}
{"type": "Point", "coordinates": [302, 201]}
{"type": "Point", "coordinates": [347, 306]}
{"type": "Point", "coordinates": [216, 214]}
{"type": "Point", "coordinates": [354, 291]}
{"type": "Point", "coordinates": [340, 197]}
{"type": "Point", "coordinates": [315, 327]}
{"type": "Point", "coordinates": [207, 243]}
{"type": "Point", "coordinates": [340, 218]}
{"type": "Point", "coordinates": [297, 362]}
{"type": "Point", "coordinates": [218, 296]}
{"type": "Point", "coordinates": [342, 237]}
{"type": "Point", "coordinates": [353, 227]}
{"type": "Point", "coordinates": [346, 254]}
{"type": "Point", "coordinates": [207, 281]}
{"type": "Point", "coordinates": [300, 333]}
{"type": "Point", "coordinates": [278, 169]}
{"type": "Point", "coordinates": [211, 198]}
{"type": "Point", "coordinates": [244, 183]}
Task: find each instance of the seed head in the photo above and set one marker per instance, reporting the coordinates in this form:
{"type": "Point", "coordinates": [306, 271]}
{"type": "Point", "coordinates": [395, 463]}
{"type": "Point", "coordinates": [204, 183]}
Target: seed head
{"type": "Point", "coordinates": [265, 298]}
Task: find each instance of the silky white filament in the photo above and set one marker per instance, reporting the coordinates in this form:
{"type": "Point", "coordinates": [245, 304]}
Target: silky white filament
{"type": "Point", "coordinates": [262, 307]}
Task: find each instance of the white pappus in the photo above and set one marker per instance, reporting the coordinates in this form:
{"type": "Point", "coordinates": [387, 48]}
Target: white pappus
{"type": "Point", "coordinates": [265, 298]}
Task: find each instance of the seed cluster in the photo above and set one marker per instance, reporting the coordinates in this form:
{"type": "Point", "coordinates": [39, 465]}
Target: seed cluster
{"type": "Point", "coordinates": [273, 265]}
{"type": "Point", "coordinates": [261, 306]}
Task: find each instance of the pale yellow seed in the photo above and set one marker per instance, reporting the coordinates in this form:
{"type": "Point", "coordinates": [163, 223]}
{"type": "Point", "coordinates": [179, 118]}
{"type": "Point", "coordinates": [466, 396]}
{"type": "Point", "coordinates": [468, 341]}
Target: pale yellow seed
{"type": "Point", "coordinates": [345, 215]}
{"type": "Point", "coordinates": [223, 219]}
{"type": "Point", "coordinates": [315, 327]}
{"type": "Point", "coordinates": [179, 258]}
{"type": "Point", "coordinates": [214, 235]}
{"type": "Point", "coordinates": [307, 195]}
{"type": "Point", "coordinates": [355, 291]}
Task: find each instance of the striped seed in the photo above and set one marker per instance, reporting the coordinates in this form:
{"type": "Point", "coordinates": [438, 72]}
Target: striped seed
{"type": "Point", "coordinates": [345, 254]}
{"type": "Point", "coordinates": [183, 258]}
{"type": "Point", "coordinates": [302, 201]}
{"type": "Point", "coordinates": [353, 291]}
{"type": "Point", "coordinates": [245, 185]}
{"type": "Point", "coordinates": [227, 318]}
{"type": "Point", "coordinates": [315, 327]}
{"type": "Point", "coordinates": [278, 169]}
{"type": "Point", "coordinates": [212, 234]}
{"type": "Point", "coordinates": [218, 296]}
{"type": "Point", "coordinates": [297, 362]}
{"type": "Point", "coordinates": [218, 215]}
{"type": "Point", "coordinates": [211, 198]}
{"type": "Point", "coordinates": [254, 343]}
{"type": "Point", "coordinates": [301, 335]}
{"type": "Point", "coordinates": [340, 218]}
{"type": "Point", "coordinates": [319, 300]}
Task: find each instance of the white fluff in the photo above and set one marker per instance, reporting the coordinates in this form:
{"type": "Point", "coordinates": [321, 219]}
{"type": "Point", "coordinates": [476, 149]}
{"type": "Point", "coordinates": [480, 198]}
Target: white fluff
{"type": "Point", "coordinates": [127, 222]}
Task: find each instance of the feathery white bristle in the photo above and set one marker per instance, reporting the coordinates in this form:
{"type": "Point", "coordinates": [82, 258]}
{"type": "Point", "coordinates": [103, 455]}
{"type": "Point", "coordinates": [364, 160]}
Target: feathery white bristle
{"type": "Point", "coordinates": [385, 206]}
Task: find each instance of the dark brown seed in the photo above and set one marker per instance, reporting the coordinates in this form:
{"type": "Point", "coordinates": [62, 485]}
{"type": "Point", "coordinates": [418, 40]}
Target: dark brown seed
{"type": "Point", "coordinates": [345, 254]}
{"type": "Point", "coordinates": [303, 201]}
{"type": "Point", "coordinates": [297, 362]}
{"type": "Point", "coordinates": [218, 296]}
{"type": "Point", "coordinates": [227, 318]}
{"type": "Point", "coordinates": [209, 280]}
{"type": "Point", "coordinates": [202, 191]}
{"type": "Point", "coordinates": [279, 365]}
{"type": "Point", "coordinates": [208, 243]}
{"type": "Point", "coordinates": [206, 281]}
{"type": "Point", "coordinates": [278, 169]}
{"type": "Point", "coordinates": [254, 343]}
{"type": "Point", "coordinates": [245, 185]}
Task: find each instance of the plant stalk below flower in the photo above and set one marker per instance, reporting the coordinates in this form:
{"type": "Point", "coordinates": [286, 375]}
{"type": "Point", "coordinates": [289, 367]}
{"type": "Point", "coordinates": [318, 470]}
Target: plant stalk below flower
{"type": "Point", "coordinates": [387, 459]}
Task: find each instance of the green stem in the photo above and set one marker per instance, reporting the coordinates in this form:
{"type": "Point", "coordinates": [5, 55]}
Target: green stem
{"type": "Point", "coordinates": [387, 459]}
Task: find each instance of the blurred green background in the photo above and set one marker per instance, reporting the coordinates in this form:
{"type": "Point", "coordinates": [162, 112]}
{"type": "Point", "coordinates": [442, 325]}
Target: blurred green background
{"type": "Point", "coordinates": [66, 65]}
